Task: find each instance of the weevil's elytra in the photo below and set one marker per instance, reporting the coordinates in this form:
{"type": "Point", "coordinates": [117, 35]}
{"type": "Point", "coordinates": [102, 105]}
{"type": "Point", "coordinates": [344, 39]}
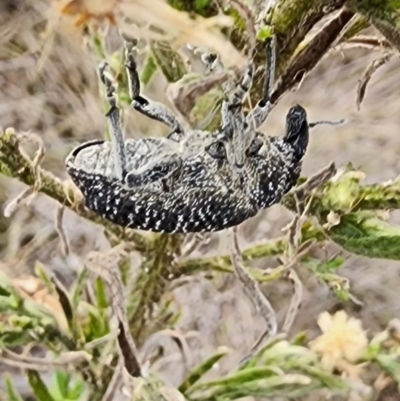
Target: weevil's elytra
{"type": "Point", "coordinates": [193, 181]}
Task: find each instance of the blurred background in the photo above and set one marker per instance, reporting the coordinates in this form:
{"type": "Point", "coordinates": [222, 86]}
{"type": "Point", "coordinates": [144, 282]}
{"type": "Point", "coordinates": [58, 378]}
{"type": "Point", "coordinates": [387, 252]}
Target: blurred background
{"type": "Point", "coordinates": [48, 85]}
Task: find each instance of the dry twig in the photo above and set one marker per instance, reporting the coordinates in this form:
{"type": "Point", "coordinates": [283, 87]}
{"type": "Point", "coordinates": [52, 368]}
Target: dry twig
{"type": "Point", "coordinates": [261, 303]}
{"type": "Point", "coordinates": [60, 230]}
{"type": "Point", "coordinates": [72, 358]}
{"type": "Point", "coordinates": [367, 75]}
{"type": "Point", "coordinates": [295, 301]}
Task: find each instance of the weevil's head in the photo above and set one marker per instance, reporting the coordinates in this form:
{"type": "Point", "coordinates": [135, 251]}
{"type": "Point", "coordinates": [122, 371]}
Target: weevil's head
{"type": "Point", "coordinates": [297, 130]}
{"type": "Point", "coordinates": [239, 143]}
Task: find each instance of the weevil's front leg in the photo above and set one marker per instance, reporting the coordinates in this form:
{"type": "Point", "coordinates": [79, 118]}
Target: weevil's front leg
{"type": "Point", "coordinates": [260, 112]}
{"type": "Point", "coordinates": [149, 108]}
{"type": "Point", "coordinates": [162, 169]}
{"type": "Point", "coordinates": [231, 112]}
{"type": "Point", "coordinates": [116, 136]}
{"type": "Point", "coordinates": [243, 88]}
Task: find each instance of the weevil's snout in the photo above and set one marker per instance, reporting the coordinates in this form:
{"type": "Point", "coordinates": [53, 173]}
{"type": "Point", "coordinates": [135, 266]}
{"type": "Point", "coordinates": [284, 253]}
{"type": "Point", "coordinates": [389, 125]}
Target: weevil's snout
{"type": "Point", "coordinates": [296, 132]}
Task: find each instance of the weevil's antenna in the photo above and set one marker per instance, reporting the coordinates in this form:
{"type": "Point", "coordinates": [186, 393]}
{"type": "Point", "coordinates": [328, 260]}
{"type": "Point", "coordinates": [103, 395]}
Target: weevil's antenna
{"type": "Point", "coordinates": [326, 122]}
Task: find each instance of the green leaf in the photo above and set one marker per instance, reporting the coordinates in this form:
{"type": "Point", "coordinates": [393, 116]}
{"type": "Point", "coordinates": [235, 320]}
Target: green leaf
{"type": "Point", "coordinates": [78, 287]}
{"type": "Point", "coordinates": [76, 390]}
{"type": "Point", "coordinates": [38, 387]}
{"type": "Point", "coordinates": [44, 278]}
{"type": "Point", "coordinates": [239, 378]}
{"type": "Point", "coordinates": [300, 338]}
{"type": "Point", "coordinates": [169, 61]}
{"type": "Point", "coordinates": [332, 382]}
{"type": "Point", "coordinates": [66, 388]}
{"type": "Point", "coordinates": [200, 6]}
{"type": "Point", "coordinates": [284, 354]}
{"type": "Point", "coordinates": [390, 364]}
{"type": "Point", "coordinates": [100, 293]}
{"type": "Point", "coordinates": [264, 32]}
{"type": "Point", "coordinates": [149, 69]}
{"type": "Point", "coordinates": [12, 394]}
{"type": "Point", "coordinates": [327, 266]}
{"type": "Point", "coordinates": [11, 337]}
{"type": "Point", "coordinates": [364, 234]}
{"type": "Point", "coordinates": [62, 380]}
{"type": "Point", "coordinates": [257, 355]}
{"type": "Point", "coordinates": [290, 386]}
{"type": "Point", "coordinates": [4, 292]}
{"type": "Point", "coordinates": [97, 326]}
{"type": "Point", "coordinates": [200, 370]}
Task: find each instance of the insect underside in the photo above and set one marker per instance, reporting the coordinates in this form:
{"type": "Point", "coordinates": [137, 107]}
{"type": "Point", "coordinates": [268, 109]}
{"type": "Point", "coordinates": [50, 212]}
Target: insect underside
{"type": "Point", "coordinates": [194, 181]}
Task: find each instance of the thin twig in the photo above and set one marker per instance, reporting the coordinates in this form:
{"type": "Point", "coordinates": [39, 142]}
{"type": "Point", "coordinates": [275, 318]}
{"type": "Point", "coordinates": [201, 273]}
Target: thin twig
{"type": "Point", "coordinates": [312, 182]}
{"type": "Point", "coordinates": [261, 303]}
{"type": "Point", "coordinates": [22, 199]}
{"type": "Point", "coordinates": [295, 301]}
{"type": "Point", "coordinates": [193, 243]}
{"type": "Point", "coordinates": [114, 383]}
{"type": "Point", "coordinates": [65, 359]}
{"type": "Point", "coordinates": [39, 155]}
{"type": "Point", "coordinates": [60, 230]}
{"type": "Point", "coordinates": [368, 73]}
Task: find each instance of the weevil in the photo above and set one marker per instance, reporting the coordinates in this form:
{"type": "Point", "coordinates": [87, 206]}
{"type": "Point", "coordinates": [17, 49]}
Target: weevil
{"type": "Point", "coordinates": [191, 181]}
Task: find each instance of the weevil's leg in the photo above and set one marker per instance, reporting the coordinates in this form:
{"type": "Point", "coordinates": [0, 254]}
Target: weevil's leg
{"type": "Point", "coordinates": [243, 88]}
{"type": "Point", "coordinates": [149, 108]}
{"type": "Point", "coordinates": [161, 169]}
{"type": "Point", "coordinates": [260, 112]}
{"type": "Point", "coordinates": [114, 125]}
{"type": "Point", "coordinates": [231, 111]}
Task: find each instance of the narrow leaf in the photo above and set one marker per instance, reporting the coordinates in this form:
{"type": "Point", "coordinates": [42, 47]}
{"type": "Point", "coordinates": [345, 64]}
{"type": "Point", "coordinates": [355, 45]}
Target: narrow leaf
{"type": "Point", "coordinates": [364, 234]}
{"type": "Point", "coordinates": [289, 385]}
{"type": "Point", "coordinates": [149, 69]}
{"type": "Point", "coordinates": [200, 370]}
{"type": "Point", "coordinates": [100, 292]}
{"type": "Point", "coordinates": [38, 387]}
{"type": "Point", "coordinates": [62, 380]}
{"type": "Point", "coordinates": [239, 378]}
{"type": "Point", "coordinates": [79, 286]}
{"type": "Point", "coordinates": [12, 394]}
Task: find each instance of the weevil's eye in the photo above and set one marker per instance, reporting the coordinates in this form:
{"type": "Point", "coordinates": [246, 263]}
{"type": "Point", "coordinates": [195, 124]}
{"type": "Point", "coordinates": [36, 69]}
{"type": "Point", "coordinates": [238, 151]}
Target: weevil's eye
{"type": "Point", "coordinates": [217, 150]}
{"type": "Point", "coordinates": [255, 145]}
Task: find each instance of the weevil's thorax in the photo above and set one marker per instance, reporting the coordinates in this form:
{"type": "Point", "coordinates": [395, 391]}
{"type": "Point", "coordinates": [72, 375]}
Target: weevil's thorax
{"type": "Point", "coordinates": [195, 142]}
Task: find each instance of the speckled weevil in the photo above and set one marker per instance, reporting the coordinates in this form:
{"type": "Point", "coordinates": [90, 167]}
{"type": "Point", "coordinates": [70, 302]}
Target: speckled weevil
{"type": "Point", "coordinates": [194, 181]}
